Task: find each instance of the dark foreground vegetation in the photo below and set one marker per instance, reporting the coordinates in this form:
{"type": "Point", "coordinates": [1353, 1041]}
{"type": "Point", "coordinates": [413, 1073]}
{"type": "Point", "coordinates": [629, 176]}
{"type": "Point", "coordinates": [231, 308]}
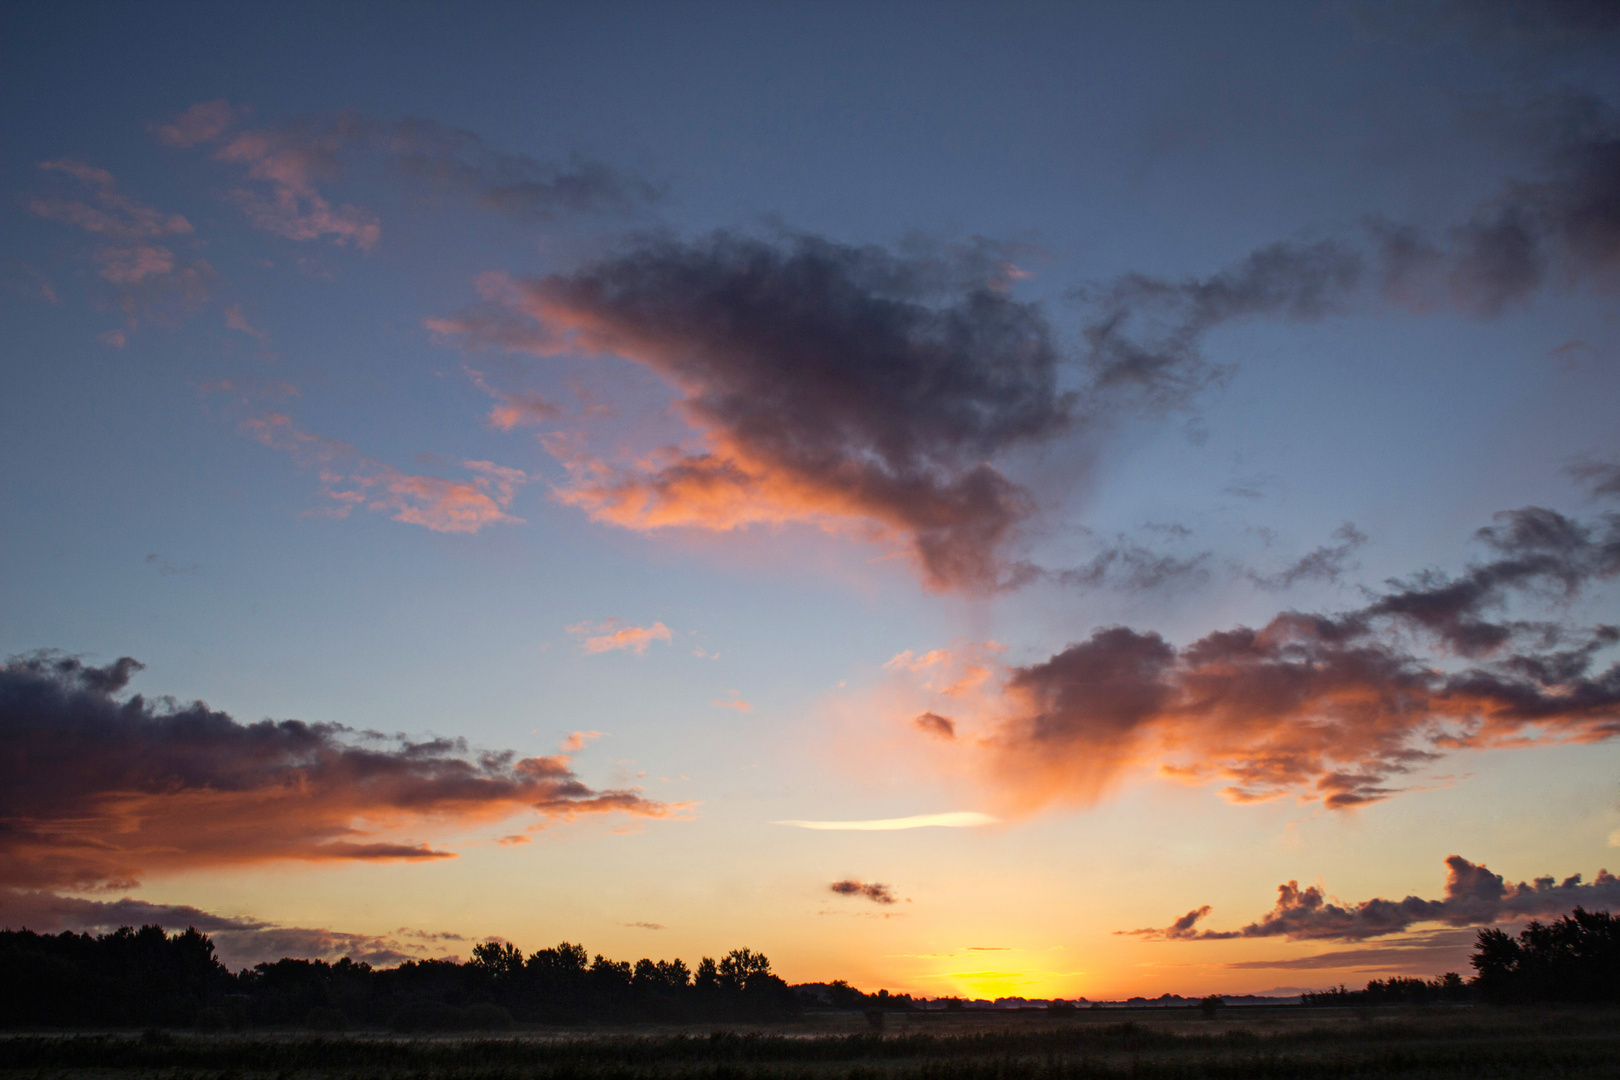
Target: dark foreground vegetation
{"type": "Point", "coordinates": [1244, 1042]}
{"type": "Point", "coordinates": [148, 979]}
{"type": "Point", "coordinates": [142, 978]}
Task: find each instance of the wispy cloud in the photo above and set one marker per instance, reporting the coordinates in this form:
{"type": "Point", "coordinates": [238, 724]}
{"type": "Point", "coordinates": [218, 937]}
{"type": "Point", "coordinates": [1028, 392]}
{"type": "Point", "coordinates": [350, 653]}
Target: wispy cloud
{"type": "Point", "coordinates": [614, 634]}
{"type": "Point", "coordinates": [349, 480]}
{"type": "Point", "coordinates": [955, 819]}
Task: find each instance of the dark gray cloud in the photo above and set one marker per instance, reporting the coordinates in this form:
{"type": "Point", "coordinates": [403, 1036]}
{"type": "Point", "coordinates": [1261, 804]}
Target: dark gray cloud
{"type": "Point", "coordinates": [1342, 704]}
{"type": "Point", "coordinates": [931, 723]}
{"type": "Point", "coordinates": [1561, 228]}
{"type": "Point", "coordinates": [873, 891]}
{"type": "Point", "coordinates": [1146, 334]}
{"type": "Point", "coordinates": [829, 383]}
{"type": "Point", "coordinates": [95, 791]}
{"type": "Point", "coordinates": [1474, 897]}
{"type": "Point", "coordinates": [1129, 565]}
{"type": "Point", "coordinates": [1600, 478]}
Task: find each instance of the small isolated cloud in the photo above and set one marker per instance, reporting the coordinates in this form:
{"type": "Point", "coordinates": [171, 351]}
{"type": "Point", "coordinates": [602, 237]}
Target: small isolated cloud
{"type": "Point", "coordinates": [645, 925]}
{"type": "Point", "coordinates": [735, 701]}
{"type": "Point", "coordinates": [613, 634]}
{"type": "Point", "coordinates": [874, 891]}
{"type": "Point", "coordinates": [285, 164]}
{"type": "Point", "coordinates": [932, 723]}
{"type": "Point", "coordinates": [1474, 897]}
{"type": "Point", "coordinates": [956, 819]}
{"type": "Point", "coordinates": [236, 320]}
{"type": "Point", "coordinates": [577, 739]}
{"type": "Point", "coordinates": [350, 480]}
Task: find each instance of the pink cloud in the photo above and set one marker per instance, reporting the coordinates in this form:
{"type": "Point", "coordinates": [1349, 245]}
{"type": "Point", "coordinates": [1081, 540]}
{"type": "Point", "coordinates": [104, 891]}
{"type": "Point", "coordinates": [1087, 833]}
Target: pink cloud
{"type": "Point", "coordinates": [611, 634]}
{"type": "Point", "coordinates": [289, 161]}
{"type": "Point", "coordinates": [235, 320]}
{"type": "Point", "coordinates": [350, 480]}
{"type": "Point", "coordinates": [131, 266]}
{"type": "Point", "coordinates": [203, 122]}
{"type": "Point", "coordinates": [104, 210]}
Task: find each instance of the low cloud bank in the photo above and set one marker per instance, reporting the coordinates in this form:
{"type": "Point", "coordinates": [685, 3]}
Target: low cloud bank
{"type": "Point", "coordinates": [96, 791]}
{"type": "Point", "coordinates": [1474, 897]}
{"type": "Point", "coordinates": [239, 941]}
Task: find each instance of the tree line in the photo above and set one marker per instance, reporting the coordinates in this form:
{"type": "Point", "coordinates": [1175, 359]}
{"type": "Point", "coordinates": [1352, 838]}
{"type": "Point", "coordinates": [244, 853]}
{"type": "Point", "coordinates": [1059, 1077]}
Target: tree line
{"type": "Point", "coordinates": [145, 977]}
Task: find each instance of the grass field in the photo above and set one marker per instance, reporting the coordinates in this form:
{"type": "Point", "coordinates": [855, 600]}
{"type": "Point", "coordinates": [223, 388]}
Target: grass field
{"type": "Point", "coordinates": [1258, 1042]}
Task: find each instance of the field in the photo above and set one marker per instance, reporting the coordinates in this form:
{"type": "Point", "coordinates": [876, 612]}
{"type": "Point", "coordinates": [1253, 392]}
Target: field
{"type": "Point", "coordinates": [1168, 1043]}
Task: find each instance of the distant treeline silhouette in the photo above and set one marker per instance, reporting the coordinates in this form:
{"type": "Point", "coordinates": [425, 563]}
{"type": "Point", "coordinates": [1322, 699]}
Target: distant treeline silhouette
{"type": "Point", "coordinates": [1574, 958]}
{"type": "Point", "coordinates": [147, 978]}
{"type": "Point", "coordinates": [140, 978]}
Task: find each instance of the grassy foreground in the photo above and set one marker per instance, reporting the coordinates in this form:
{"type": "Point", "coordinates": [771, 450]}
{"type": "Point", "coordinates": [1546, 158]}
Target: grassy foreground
{"type": "Point", "coordinates": [1564, 1042]}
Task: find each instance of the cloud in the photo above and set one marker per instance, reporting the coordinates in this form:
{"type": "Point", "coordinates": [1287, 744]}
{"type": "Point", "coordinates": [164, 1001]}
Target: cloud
{"type": "Point", "coordinates": [853, 388]}
{"type": "Point", "coordinates": [288, 160]}
{"type": "Point", "coordinates": [1145, 335]}
{"type": "Point", "coordinates": [98, 791]}
{"type": "Point", "coordinates": [1334, 707]}
{"type": "Point", "coordinates": [236, 320]}
{"type": "Point", "coordinates": [239, 941]}
{"type": "Point", "coordinates": [350, 480]}
{"type": "Point", "coordinates": [1140, 569]}
{"type": "Point", "coordinates": [1474, 897]}
{"type": "Point", "coordinates": [873, 891]}
{"type": "Point", "coordinates": [934, 724]}
{"type": "Point", "coordinates": [103, 209]}
{"type": "Point", "coordinates": [612, 634]}
{"type": "Point", "coordinates": [1601, 478]}
{"type": "Point", "coordinates": [152, 287]}
{"type": "Point", "coordinates": [203, 122]}
{"type": "Point", "coordinates": [735, 701]}
{"type": "Point", "coordinates": [645, 925]}
{"type": "Point", "coordinates": [1425, 953]}
{"type": "Point", "coordinates": [956, 819]}
{"type": "Point", "coordinates": [1324, 563]}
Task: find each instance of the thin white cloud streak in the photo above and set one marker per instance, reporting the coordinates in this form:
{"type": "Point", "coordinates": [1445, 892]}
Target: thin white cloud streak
{"type": "Point", "coordinates": [956, 819]}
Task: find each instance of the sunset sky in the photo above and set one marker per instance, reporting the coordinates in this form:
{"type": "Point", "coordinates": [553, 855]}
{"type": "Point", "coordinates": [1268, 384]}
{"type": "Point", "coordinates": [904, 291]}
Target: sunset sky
{"type": "Point", "coordinates": [1078, 499]}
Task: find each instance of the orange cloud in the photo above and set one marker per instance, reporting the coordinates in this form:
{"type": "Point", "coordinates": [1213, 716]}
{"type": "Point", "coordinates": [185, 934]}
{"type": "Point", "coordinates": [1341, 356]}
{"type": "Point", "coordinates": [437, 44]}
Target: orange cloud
{"type": "Point", "coordinates": [612, 634]}
{"type": "Point", "coordinates": [1331, 707]}
{"type": "Point", "coordinates": [350, 480]}
{"type": "Point", "coordinates": [823, 384]}
{"type": "Point", "coordinates": [98, 791]}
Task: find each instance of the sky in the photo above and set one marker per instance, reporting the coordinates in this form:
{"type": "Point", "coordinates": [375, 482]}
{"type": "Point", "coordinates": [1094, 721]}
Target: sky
{"type": "Point", "coordinates": [1028, 500]}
